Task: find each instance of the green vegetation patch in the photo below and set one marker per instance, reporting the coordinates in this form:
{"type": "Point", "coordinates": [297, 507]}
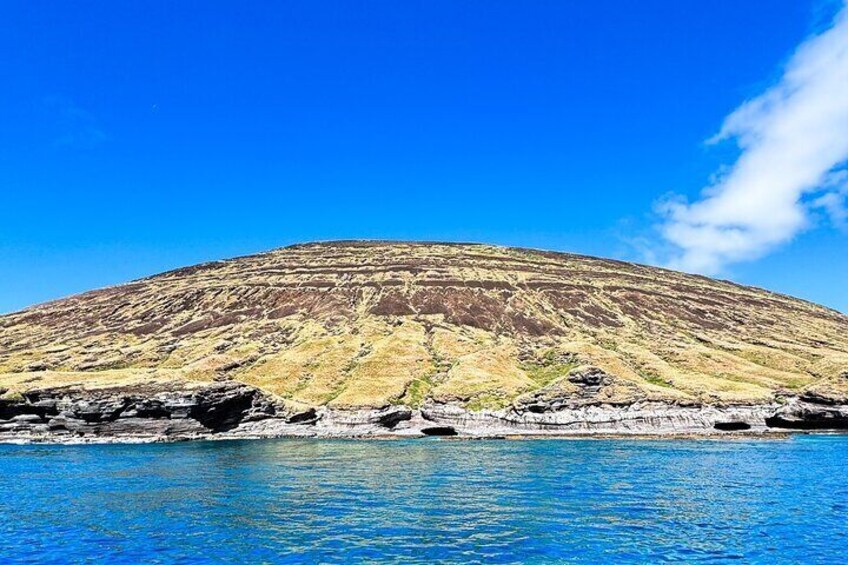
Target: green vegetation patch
{"type": "Point", "coordinates": [487, 402]}
{"type": "Point", "coordinates": [550, 366]}
{"type": "Point", "coordinates": [12, 396]}
{"type": "Point", "coordinates": [416, 392]}
{"type": "Point", "coordinates": [656, 380]}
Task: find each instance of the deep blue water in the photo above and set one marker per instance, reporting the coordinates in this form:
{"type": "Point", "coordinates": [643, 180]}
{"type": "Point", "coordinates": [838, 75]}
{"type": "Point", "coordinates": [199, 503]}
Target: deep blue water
{"type": "Point", "coordinates": [427, 501]}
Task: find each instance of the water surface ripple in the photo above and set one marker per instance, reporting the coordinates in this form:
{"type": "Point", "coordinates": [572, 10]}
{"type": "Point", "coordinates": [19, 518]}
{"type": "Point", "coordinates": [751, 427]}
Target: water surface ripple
{"type": "Point", "coordinates": [427, 501]}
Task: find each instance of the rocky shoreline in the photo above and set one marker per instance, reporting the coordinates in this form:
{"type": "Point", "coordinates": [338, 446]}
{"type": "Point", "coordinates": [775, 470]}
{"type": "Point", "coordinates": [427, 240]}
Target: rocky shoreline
{"type": "Point", "coordinates": [231, 410]}
{"type": "Point", "coordinates": [393, 339]}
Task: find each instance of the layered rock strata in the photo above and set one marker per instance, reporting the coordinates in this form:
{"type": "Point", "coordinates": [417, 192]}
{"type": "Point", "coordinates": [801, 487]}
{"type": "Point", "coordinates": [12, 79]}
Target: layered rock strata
{"type": "Point", "coordinates": [232, 411]}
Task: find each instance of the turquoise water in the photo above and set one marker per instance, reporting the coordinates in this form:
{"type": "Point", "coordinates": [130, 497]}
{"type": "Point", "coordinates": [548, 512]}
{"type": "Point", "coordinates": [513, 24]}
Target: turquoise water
{"type": "Point", "coordinates": [427, 501]}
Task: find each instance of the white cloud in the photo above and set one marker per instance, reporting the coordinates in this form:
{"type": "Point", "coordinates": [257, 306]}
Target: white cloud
{"type": "Point", "coordinates": [792, 139]}
{"type": "Point", "coordinates": [834, 199]}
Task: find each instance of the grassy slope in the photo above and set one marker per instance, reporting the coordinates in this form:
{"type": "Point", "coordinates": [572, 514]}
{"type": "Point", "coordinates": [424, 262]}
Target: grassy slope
{"type": "Point", "coordinates": [373, 324]}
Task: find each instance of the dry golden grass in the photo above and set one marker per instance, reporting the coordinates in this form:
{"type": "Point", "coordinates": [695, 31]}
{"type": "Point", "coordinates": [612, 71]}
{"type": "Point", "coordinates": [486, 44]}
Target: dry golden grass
{"type": "Point", "coordinates": [122, 378]}
{"type": "Point", "coordinates": [491, 377]}
{"type": "Point", "coordinates": [382, 376]}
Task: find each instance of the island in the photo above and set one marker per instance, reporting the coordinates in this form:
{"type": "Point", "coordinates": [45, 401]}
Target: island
{"type": "Point", "coordinates": [413, 339]}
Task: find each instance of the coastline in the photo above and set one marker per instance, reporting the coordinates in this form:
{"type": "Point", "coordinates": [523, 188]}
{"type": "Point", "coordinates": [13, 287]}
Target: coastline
{"type": "Point", "coordinates": [230, 411]}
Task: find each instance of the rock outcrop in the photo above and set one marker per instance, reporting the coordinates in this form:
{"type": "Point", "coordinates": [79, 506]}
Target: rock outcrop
{"type": "Point", "coordinates": [232, 410]}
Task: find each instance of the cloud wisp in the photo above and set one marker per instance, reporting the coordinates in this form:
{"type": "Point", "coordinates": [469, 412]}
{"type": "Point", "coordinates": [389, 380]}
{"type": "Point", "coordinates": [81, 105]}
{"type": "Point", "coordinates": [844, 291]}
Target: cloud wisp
{"type": "Point", "coordinates": [75, 126]}
{"type": "Point", "coordinates": [793, 142]}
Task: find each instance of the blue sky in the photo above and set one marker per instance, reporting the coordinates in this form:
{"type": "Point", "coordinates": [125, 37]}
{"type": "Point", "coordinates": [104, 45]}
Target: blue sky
{"type": "Point", "coordinates": [137, 137]}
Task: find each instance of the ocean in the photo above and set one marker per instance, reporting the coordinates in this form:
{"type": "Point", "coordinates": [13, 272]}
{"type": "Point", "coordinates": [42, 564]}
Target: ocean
{"type": "Point", "coordinates": [428, 501]}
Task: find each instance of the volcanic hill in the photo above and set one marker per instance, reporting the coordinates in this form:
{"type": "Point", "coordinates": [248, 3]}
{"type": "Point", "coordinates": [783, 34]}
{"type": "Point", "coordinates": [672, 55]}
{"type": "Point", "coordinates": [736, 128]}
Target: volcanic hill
{"type": "Point", "coordinates": [365, 338]}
